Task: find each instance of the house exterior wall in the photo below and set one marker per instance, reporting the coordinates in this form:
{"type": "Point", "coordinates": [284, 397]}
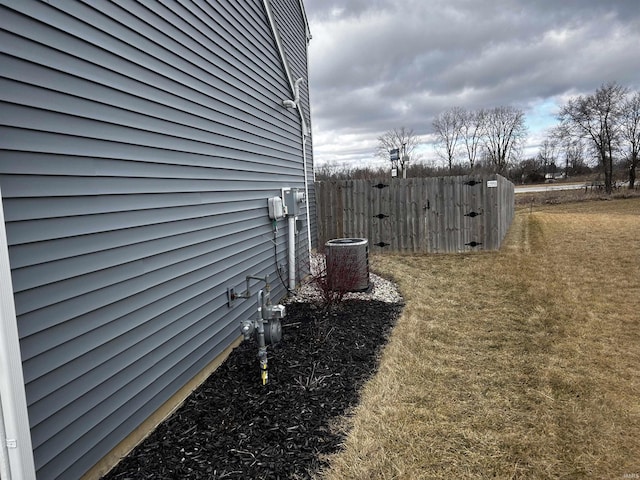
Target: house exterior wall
{"type": "Point", "coordinates": [139, 143]}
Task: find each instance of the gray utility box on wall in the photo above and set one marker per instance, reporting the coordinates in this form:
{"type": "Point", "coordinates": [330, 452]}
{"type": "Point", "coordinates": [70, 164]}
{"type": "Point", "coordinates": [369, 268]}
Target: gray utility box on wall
{"type": "Point", "coordinates": [348, 264]}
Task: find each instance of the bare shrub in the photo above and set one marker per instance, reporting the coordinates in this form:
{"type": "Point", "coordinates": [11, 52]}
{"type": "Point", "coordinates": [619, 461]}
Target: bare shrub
{"type": "Point", "coordinates": [336, 275]}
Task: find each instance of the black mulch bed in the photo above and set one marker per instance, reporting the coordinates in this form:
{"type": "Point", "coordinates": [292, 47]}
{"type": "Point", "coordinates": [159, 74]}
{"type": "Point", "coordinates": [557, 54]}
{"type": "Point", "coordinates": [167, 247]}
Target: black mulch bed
{"type": "Point", "coordinates": [233, 427]}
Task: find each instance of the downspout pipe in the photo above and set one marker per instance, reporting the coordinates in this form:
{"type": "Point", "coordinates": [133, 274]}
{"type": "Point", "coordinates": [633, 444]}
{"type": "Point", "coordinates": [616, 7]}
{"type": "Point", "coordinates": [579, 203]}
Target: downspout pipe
{"type": "Point", "coordinates": [295, 103]}
{"type": "Point", "coordinates": [304, 134]}
{"type": "Point", "coordinates": [291, 230]}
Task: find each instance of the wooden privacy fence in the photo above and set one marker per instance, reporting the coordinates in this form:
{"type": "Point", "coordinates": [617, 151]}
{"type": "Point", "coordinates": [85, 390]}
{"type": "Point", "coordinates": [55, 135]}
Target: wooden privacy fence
{"type": "Point", "coordinates": [431, 215]}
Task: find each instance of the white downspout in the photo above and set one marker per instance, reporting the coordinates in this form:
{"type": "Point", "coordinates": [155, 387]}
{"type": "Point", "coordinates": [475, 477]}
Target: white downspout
{"type": "Point", "coordinates": [291, 230]}
{"type": "Point", "coordinates": [306, 194]}
{"type": "Point", "coordinates": [276, 35]}
{"type": "Point", "coordinates": [304, 134]}
{"type": "Point", "coordinates": [16, 449]}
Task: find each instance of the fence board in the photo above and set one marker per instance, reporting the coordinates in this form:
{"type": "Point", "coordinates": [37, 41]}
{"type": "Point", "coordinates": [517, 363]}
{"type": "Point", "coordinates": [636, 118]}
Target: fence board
{"type": "Point", "coordinates": [420, 215]}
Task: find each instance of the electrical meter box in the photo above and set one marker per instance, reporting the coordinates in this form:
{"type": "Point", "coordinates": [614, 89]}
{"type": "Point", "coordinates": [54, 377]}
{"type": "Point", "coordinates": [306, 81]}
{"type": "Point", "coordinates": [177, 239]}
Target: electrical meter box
{"type": "Point", "coordinates": [292, 198]}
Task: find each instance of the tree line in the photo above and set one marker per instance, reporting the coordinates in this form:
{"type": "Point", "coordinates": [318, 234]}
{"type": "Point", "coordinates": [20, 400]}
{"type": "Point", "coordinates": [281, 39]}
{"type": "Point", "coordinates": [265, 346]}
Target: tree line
{"type": "Point", "coordinates": [491, 137]}
{"type": "Point", "coordinates": [495, 135]}
{"type": "Point", "coordinates": [604, 125]}
{"type": "Point", "coordinates": [608, 122]}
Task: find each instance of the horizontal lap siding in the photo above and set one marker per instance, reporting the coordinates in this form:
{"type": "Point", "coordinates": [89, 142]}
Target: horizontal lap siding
{"type": "Point", "coordinates": [139, 145]}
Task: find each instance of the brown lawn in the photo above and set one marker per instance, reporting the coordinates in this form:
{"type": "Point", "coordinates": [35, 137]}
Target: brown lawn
{"type": "Point", "coordinates": [523, 363]}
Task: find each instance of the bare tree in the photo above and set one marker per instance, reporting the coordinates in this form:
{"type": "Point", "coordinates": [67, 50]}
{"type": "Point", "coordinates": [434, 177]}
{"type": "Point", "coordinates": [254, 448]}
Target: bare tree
{"type": "Point", "coordinates": [561, 140]}
{"type": "Point", "coordinates": [473, 127]}
{"type": "Point", "coordinates": [548, 155]}
{"type": "Point", "coordinates": [630, 134]}
{"type": "Point", "coordinates": [403, 139]}
{"type": "Point", "coordinates": [571, 147]}
{"type": "Point", "coordinates": [448, 128]}
{"type": "Point", "coordinates": [504, 135]}
{"type": "Point", "coordinates": [575, 156]}
{"type": "Point", "coordinates": [531, 170]}
{"type": "Point", "coordinates": [596, 118]}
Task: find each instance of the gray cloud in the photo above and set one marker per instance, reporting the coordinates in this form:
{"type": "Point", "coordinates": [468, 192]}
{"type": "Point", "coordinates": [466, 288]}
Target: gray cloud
{"type": "Point", "coordinates": [379, 64]}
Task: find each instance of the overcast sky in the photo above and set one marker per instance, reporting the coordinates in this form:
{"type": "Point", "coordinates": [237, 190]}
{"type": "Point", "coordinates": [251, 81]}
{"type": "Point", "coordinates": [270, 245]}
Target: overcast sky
{"type": "Point", "coordinates": [380, 64]}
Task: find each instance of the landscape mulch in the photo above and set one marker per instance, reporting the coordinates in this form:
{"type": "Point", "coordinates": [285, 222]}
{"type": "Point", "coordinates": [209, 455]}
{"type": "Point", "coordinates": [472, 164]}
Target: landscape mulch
{"type": "Point", "coordinates": [233, 427]}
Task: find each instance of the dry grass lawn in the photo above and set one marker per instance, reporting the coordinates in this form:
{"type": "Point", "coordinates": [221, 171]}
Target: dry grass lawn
{"type": "Point", "coordinates": [524, 363]}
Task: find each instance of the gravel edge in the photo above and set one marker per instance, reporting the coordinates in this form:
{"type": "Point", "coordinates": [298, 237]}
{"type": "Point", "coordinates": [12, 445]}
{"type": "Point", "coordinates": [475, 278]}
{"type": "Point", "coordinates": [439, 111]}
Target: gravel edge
{"type": "Point", "coordinates": [381, 290]}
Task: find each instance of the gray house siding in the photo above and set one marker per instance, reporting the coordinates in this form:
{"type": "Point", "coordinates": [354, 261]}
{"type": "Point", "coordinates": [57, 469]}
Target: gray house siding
{"type": "Point", "coordinates": [139, 143]}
